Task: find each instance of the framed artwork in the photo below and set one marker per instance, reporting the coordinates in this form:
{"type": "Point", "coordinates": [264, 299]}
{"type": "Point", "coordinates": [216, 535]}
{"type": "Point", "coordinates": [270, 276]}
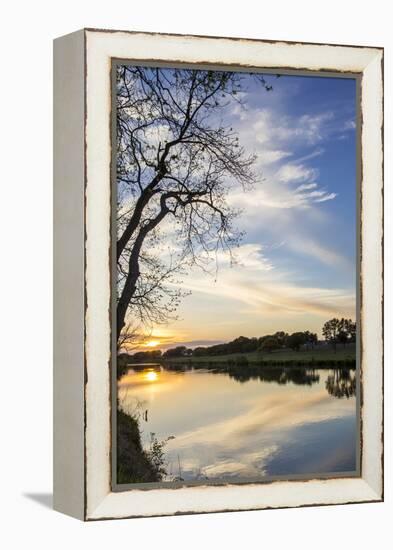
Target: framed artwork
{"type": "Point", "coordinates": [218, 274]}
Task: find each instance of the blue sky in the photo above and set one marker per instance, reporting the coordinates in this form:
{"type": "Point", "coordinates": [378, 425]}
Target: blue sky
{"type": "Point", "coordinates": [296, 266]}
{"type": "Point", "coordinates": [315, 117]}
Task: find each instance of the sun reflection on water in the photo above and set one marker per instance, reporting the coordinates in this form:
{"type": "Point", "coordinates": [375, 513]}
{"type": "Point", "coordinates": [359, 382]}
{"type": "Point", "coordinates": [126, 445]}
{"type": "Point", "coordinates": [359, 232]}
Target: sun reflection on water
{"type": "Point", "coordinates": [150, 376]}
{"type": "Point", "coordinates": [219, 426]}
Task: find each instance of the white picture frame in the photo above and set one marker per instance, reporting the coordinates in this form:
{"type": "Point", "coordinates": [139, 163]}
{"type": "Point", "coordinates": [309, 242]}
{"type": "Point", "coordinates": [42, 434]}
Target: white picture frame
{"type": "Point", "coordinates": [82, 242]}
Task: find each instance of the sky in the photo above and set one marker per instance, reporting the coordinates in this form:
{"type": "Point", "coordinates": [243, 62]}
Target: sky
{"type": "Point", "coordinates": [296, 265]}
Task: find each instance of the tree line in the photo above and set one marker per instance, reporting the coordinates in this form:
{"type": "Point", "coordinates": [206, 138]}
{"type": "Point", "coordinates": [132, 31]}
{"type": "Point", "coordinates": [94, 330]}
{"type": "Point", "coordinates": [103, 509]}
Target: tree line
{"type": "Point", "coordinates": [335, 331]}
{"type": "Point", "coordinates": [242, 344]}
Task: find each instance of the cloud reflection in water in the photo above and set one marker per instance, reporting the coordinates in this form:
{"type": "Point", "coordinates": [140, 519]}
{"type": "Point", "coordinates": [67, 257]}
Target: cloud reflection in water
{"type": "Point", "coordinates": [257, 428]}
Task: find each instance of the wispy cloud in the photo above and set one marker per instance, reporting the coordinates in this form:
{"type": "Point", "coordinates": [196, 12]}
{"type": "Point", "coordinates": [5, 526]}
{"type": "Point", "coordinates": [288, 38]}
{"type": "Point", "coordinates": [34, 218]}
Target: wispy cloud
{"type": "Point", "coordinates": [264, 291]}
{"type": "Point", "coordinates": [276, 196]}
{"type": "Point", "coordinates": [308, 246]}
{"type": "Point", "coordinates": [275, 138]}
{"type": "Point", "coordinates": [306, 186]}
{"type": "Point", "coordinates": [268, 127]}
{"type": "Point", "coordinates": [248, 256]}
{"type": "Point", "coordinates": [269, 156]}
{"type": "Point", "coordinates": [328, 197]}
{"type": "Point", "coordinates": [350, 125]}
{"type": "Point", "coordinates": [316, 153]}
{"type": "Point", "coordinates": [309, 276]}
{"type": "Point", "coordinates": [294, 173]}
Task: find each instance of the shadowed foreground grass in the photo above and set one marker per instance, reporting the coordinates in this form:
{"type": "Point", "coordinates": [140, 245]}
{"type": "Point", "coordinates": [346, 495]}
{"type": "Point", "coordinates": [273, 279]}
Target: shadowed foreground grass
{"type": "Point", "coordinates": [133, 463]}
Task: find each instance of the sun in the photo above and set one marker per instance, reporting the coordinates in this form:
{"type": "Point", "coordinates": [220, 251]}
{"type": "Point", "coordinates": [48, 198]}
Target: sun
{"type": "Point", "coordinates": [152, 343]}
{"type": "Point", "coordinates": [151, 376]}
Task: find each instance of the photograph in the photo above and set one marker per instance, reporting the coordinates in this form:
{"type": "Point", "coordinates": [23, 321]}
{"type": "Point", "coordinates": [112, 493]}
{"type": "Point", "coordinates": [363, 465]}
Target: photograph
{"type": "Point", "coordinates": [206, 276]}
{"type": "Point", "coordinates": [236, 273]}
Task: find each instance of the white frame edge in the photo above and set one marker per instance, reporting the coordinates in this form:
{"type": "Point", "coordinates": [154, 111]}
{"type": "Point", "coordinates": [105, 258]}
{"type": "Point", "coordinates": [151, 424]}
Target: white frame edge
{"type": "Point", "coordinates": [69, 275]}
{"type": "Point", "coordinates": [101, 47]}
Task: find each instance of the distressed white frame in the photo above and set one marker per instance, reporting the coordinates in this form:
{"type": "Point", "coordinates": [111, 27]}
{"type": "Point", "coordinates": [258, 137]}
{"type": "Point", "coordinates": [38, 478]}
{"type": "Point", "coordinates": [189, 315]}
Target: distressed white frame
{"type": "Point", "coordinates": [99, 48]}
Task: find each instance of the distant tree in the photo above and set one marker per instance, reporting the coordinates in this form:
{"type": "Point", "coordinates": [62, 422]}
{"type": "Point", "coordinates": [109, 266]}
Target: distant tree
{"type": "Point", "coordinates": [217, 349]}
{"type": "Point", "coordinates": [310, 338]}
{"type": "Point", "coordinates": [341, 331]}
{"type": "Point", "coordinates": [347, 332]}
{"type": "Point", "coordinates": [239, 345]}
{"type": "Point", "coordinates": [199, 351]}
{"type": "Point", "coordinates": [351, 327]}
{"type": "Point", "coordinates": [331, 330]}
{"type": "Point", "coordinates": [352, 330]}
{"type": "Point", "coordinates": [251, 345]}
{"type": "Point", "coordinates": [296, 340]}
{"type": "Point", "coordinates": [143, 356]}
{"type": "Point", "coordinates": [270, 344]}
{"type": "Point", "coordinates": [261, 339]}
{"type": "Point", "coordinates": [242, 344]}
{"type": "Point", "coordinates": [281, 338]}
{"type": "Point", "coordinates": [179, 351]}
{"type": "Point", "coordinates": [342, 337]}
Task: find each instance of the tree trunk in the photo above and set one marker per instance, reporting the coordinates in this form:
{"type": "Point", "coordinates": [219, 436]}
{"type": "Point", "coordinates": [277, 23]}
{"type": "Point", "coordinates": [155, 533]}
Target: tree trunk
{"type": "Point", "coordinates": [134, 222]}
{"type": "Point", "coordinates": [133, 267]}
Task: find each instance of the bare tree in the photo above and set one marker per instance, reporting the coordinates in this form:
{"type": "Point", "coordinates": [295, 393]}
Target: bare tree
{"type": "Point", "coordinates": [131, 337]}
{"type": "Point", "coordinates": [176, 159]}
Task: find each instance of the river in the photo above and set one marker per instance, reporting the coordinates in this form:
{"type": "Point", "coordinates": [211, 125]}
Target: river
{"type": "Point", "coordinates": [245, 423]}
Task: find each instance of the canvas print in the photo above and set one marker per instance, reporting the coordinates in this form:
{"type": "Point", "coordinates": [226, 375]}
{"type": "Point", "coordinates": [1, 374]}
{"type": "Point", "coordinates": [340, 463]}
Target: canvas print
{"type": "Point", "coordinates": [236, 272]}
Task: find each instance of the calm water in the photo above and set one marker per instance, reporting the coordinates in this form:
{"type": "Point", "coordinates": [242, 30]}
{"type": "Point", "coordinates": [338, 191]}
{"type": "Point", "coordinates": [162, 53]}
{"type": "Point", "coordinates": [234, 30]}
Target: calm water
{"type": "Point", "coordinates": [234, 425]}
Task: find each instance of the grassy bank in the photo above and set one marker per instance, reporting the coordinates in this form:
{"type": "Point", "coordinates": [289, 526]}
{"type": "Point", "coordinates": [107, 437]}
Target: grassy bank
{"type": "Point", "coordinates": [322, 358]}
{"type": "Point", "coordinates": [133, 463]}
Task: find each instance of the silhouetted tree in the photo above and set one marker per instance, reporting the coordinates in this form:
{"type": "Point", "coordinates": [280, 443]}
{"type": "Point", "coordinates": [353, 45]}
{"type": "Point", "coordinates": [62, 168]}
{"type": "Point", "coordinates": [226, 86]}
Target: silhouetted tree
{"type": "Point", "coordinates": [199, 351]}
{"type": "Point", "coordinates": [339, 330]}
{"type": "Point", "coordinates": [270, 344]}
{"type": "Point", "coordinates": [347, 331]}
{"type": "Point", "coordinates": [330, 331]}
{"type": "Point", "coordinates": [296, 340]}
{"type": "Point", "coordinates": [351, 328]}
{"type": "Point", "coordinates": [175, 162]}
{"type": "Point", "coordinates": [179, 351]}
{"type": "Point", "coordinates": [310, 338]}
{"type": "Point", "coordinates": [150, 355]}
{"type": "Point", "coordinates": [281, 338]}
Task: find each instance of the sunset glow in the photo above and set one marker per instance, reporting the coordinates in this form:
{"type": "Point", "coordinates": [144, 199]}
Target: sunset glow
{"type": "Point", "coordinates": [152, 343]}
{"type": "Point", "coordinates": [151, 376]}
{"type": "Point", "coordinates": [236, 275]}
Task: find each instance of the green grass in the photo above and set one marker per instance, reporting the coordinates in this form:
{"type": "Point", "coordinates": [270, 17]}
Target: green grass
{"type": "Point", "coordinates": [345, 356]}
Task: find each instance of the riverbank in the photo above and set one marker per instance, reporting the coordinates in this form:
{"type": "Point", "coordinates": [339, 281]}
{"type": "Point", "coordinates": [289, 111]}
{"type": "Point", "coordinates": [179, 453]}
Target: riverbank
{"type": "Point", "coordinates": [321, 358]}
{"type": "Point", "coordinates": [133, 463]}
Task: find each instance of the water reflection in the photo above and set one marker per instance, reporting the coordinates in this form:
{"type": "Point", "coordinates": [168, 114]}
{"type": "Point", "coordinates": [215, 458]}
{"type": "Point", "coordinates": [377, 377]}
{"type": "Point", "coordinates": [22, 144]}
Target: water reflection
{"type": "Point", "coordinates": [342, 383]}
{"type": "Point", "coordinates": [235, 423]}
{"type": "Point", "coordinates": [279, 375]}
